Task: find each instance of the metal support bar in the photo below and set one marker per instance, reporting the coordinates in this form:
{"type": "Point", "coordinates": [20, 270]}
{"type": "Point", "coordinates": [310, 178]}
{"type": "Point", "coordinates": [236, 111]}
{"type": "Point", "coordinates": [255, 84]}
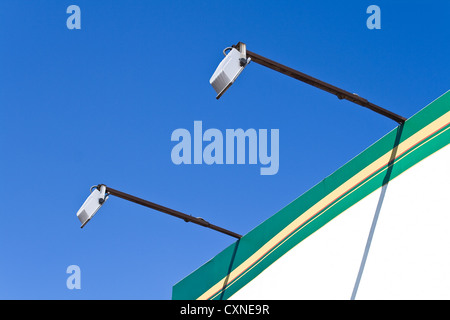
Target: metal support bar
{"type": "Point", "coordinates": [185, 217]}
{"type": "Point", "coordinates": [341, 94]}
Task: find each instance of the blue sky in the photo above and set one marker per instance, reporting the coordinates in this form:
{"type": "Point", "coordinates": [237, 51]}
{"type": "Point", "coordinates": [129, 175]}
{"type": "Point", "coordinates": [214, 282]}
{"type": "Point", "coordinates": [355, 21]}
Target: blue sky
{"type": "Point", "coordinates": [99, 105]}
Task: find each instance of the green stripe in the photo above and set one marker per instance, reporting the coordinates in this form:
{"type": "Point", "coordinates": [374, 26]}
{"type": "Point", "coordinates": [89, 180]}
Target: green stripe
{"type": "Point", "coordinates": [217, 268]}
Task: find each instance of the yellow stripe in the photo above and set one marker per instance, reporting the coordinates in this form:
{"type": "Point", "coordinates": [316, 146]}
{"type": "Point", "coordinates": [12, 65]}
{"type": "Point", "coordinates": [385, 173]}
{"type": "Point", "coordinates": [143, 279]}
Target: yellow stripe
{"type": "Point", "coordinates": [345, 187]}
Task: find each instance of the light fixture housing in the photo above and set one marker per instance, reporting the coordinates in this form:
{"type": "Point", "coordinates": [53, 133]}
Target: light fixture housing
{"type": "Point", "coordinates": [228, 70]}
{"type": "Point", "coordinates": [90, 207]}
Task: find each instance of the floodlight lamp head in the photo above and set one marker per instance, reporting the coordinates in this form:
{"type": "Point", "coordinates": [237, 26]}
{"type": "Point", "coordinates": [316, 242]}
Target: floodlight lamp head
{"type": "Point", "coordinates": [90, 207]}
{"type": "Point", "coordinates": [229, 68]}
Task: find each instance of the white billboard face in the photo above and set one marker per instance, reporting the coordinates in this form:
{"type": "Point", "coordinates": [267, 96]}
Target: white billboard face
{"type": "Point", "coordinates": [407, 257]}
{"type": "Point", "coordinates": [377, 228]}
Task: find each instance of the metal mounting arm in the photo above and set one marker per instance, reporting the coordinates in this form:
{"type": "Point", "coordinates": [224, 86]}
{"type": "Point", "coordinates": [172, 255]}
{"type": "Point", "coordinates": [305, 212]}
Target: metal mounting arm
{"type": "Point", "coordinates": [341, 94]}
{"type": "Point", "coordinates": [185, 217]}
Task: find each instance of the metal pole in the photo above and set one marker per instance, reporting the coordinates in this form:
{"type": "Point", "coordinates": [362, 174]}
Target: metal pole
{"type": "Point", "coordinates": [341, 94]}
{"type": "Point", "coordinates": [185, 217]}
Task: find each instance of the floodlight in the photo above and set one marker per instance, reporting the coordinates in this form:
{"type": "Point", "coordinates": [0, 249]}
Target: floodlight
{"type": "Point", "coordinates": [100, 193]}
{"type": "Point", "coordinates": [228, 70]}
{"type": "Point", "coordinates": [90, 207]}
{"type": "Point", "coordinates": [238, 57]}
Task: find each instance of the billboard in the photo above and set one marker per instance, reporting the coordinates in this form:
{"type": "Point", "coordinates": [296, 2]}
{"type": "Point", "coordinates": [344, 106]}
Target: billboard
{"type": "Point", "coordinates": [377, 228]}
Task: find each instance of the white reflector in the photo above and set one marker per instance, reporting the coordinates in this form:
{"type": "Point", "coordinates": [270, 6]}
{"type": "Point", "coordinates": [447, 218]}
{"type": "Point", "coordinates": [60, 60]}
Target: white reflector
{"type": "Point", "coordinates": [90, 207]}
{"type": "Point", "coordinates": [227, 72]}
